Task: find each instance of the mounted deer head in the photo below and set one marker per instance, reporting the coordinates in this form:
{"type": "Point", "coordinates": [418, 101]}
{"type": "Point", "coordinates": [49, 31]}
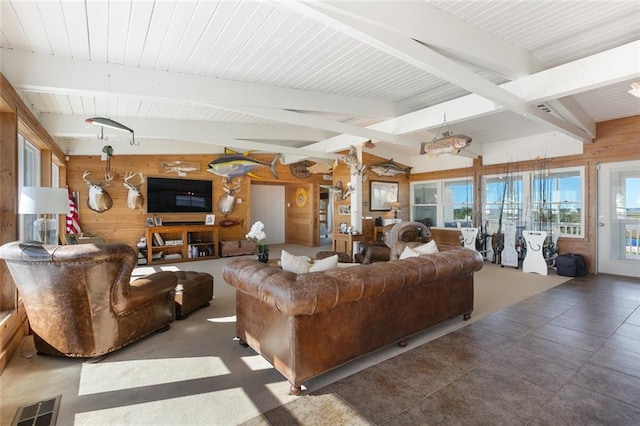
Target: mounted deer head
{"type": "Point", "coordinates": [99, 200]}
{"type": "Point", "coordinates": [135, 200]}
{"type": "Point", "coordinates": [227, 202]}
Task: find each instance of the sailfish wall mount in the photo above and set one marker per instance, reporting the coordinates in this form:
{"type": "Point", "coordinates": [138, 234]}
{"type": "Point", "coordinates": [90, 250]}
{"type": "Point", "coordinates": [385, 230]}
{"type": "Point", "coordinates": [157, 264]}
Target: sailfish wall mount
{"type": "Point", "coordinates": [112, 124]}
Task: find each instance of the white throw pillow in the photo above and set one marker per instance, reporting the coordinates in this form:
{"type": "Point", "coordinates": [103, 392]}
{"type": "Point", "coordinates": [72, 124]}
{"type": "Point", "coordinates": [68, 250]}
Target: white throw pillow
{"type": "Point", "coordinates": [296, 264]}
{"type": "Point", "coordinates": [324, 264]}
{"type": "Point", "coordinates": [429, 248]}
{"type": "Point", "coordinates": [408, 252]}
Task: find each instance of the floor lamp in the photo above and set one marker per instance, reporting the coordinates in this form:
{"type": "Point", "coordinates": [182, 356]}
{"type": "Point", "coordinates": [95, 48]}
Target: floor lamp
{"type": "Point", "coordinates": [41, 200]}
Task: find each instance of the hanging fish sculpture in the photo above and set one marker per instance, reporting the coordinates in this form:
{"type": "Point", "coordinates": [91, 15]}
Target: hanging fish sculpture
{"type": "Point", "coordinates": [233, 164]}
{"type": "Point", "coordinates": [351, 160]}
{"type": "Point", "coordinates": [447, 144]}
{"type": "Point", "coordinates": [390, 168]}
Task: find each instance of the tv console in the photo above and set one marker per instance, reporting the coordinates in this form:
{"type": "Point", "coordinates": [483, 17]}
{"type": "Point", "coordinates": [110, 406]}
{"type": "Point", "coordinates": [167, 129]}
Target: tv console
{"type": "Point", "coordinates": [182, 243]}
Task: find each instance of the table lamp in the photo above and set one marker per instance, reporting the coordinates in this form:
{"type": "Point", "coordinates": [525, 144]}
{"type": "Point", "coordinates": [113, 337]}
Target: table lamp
{"type": "Point", "coordinates": [47, 202]}
{"type": "Point", "coordinates": [395, 208]}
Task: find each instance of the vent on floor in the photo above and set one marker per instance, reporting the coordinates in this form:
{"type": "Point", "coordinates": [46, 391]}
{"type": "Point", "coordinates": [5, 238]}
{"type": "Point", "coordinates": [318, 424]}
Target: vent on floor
{"type": "Point", "coordinates": [41, 413]}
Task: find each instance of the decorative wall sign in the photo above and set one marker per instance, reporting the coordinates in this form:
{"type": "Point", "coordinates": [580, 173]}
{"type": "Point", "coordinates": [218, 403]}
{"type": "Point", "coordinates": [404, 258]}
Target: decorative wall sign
{"type": "Point", "coordinates": [301, 197]}
{"type": "Point", "coordinates": [301, 169]}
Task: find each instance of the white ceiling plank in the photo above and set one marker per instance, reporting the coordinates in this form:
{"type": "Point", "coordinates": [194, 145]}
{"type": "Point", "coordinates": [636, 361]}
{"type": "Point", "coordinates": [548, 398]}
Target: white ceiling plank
{"type": "Point", "coordinates": [175, 33]}
{"type": "Point", "coordinates": [98, 25]}
{"type": "Point", "coordinates": [442, 31]}
{"type": "Point", "coordinates": [30, 17]}
{"type": "Point", "coordinates": [55, 26]}
{"type": "Point", "coordinates": [11, 27]}
{"type": "Point", "coordinates": [75, 19]}
{"type": "Point", "coordinates": [55, 74]}
{"type": "Point", "coordinates": [154, 41]}
{"type": "Point", "coordinates": [434, 63]}
{"type": "Point", "coordinates": [119, 27]}
{"type": "Point", "coordinates": [137, 35]}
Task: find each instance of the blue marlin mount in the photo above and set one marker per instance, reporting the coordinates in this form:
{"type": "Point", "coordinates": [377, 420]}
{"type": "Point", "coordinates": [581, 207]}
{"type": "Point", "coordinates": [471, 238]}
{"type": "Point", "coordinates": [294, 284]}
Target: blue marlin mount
{"type": "Point", "coordinates": [234, 164]}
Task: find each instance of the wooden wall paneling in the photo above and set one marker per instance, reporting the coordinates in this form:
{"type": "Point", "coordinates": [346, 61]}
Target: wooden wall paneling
{"type": "Point", "coordinates": [404, 195]}
{"type": "Point", "coordinates": [8, 200]}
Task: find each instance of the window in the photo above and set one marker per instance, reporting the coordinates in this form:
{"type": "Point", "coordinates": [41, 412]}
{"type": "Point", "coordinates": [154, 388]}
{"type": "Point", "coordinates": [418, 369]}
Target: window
{"type": "Point", "coordinates": [550, 200]}
{"type": "Point", "coordinates": [448, 203]}
{"type": "Point", "coordinates": [28, 175]}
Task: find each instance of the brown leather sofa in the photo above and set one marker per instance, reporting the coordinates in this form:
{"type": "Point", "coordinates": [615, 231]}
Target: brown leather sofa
{"type": "Point", "coordinates": [79, 300]}
{"type": "Point", "coordinates": [307, 324]}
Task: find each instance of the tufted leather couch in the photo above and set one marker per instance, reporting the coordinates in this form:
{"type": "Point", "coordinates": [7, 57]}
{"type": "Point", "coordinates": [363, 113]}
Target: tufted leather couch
{"type": "Point", "coordinates": [79, 300]}
{"type": "Point", "coordinates": [307, 324]}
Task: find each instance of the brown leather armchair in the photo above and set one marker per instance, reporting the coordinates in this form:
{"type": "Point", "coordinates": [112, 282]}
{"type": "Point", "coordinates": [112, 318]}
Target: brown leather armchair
{"type": "Point", "coordinates": [381, 251]}
{"type": "Point", "coordinates": [79, 299]}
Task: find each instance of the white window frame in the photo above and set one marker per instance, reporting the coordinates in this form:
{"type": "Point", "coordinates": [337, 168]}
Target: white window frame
{"type": "Point", "coordinates": [28, 175]}
{"type": "Point", "coordinates": [528, 202]}
{"type": "Point", "coordinates": [442, 205]}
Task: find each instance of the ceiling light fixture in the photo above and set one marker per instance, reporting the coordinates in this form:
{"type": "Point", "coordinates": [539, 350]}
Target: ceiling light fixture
{"type": "Point", "coordinates": [635, 89]}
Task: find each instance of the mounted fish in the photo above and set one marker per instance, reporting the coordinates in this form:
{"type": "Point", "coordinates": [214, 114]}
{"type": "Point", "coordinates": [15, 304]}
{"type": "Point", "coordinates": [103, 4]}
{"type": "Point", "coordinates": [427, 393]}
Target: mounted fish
{"type": "Point", "coordinates": [369, 144]}
{"type": "Point", "coordinates": [323, 167]}
{"type": "Point", "coordinates": [351, 160]}
{"type": "Point", "coordinates": [227, 223]}
{"type": "Point", "coordinates": [350, 190]}
{"type": "Point", "coordinates": [390, 168]}
{"type": "Point", "coordinates": [227, 202]}
{"type": "Point", "coordinates": [233, 164]}
{"type": "Point", "coordinates": [448, 143]}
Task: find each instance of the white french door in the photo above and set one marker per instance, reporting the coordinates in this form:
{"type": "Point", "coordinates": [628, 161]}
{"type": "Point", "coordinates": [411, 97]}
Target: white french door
{"type": "Point", "coordinates": [619, 218]}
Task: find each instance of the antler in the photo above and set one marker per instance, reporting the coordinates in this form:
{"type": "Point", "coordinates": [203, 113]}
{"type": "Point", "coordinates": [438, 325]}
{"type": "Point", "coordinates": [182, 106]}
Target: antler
{"type": "Point", "coordinates": [130, 175]}
{"type": "Point", "coordinates": [107, 178]}
{"type": "Point", "coordinates": [84, 177]}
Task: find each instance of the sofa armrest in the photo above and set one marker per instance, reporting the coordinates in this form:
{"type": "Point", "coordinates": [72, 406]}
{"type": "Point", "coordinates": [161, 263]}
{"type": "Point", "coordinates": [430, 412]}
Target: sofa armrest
{"type": "Point", "coordinates": [143, 290]}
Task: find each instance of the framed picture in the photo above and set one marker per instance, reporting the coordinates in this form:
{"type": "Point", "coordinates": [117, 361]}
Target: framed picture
{"type": "Point", "coordinates": [382, 195]}
{"type": "Point", "coordinates": [157, 221]}
{"type": "Point", "coordinates": [150, 222]}
{"type": "Point", "coordinates": [210, 219]}
{"type": "Point", "coordinates": [344, 210]}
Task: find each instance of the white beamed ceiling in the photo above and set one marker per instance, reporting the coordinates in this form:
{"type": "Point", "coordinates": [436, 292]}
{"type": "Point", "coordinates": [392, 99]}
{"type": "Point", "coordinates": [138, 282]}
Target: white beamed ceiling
{"type": "Point", "coordinates": [309, 79]}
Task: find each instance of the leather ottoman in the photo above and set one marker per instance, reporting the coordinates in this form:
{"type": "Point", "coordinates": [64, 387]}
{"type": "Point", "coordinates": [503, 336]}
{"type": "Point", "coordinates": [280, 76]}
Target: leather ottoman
{"type": "Point", "coordinates": [194, 290]}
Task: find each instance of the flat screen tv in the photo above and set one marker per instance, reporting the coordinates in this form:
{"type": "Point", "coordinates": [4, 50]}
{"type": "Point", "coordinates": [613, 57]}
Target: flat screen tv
{"type": "Point", "coordinates": [167, 195]}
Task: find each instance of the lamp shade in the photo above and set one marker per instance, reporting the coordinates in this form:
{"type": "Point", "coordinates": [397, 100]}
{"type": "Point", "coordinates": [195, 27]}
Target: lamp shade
{"type": "Point", "coordinates": [43, 200]}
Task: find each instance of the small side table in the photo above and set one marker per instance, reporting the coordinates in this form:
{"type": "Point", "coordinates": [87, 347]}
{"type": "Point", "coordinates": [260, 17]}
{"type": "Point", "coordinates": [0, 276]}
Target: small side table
{"type": "Point", "coordinates": [343, 243]}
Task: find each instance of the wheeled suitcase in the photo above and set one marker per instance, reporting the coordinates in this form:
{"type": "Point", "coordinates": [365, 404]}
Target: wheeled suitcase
{"type": "Point", "coordinates": [571, 265]}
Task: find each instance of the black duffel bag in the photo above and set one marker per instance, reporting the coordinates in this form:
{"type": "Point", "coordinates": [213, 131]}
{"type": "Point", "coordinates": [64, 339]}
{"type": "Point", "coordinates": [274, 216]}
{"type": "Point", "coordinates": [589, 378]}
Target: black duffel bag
{"type": "Point", "coordinates": [571, 265]}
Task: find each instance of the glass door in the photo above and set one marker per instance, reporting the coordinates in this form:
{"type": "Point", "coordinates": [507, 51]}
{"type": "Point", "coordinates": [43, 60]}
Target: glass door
{"type": "Point", "coordinates": [619, 218]}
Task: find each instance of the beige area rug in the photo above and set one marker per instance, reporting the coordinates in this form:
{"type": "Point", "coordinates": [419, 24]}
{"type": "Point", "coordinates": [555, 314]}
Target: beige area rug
{"type": "Point", "coordinates": [197, 373]}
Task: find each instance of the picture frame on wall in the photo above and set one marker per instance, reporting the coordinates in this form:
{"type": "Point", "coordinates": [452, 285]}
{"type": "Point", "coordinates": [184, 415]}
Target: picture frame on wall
{"type": "Point", "coordinates": [344, 210]}
{"type": "Point", "coordinates": [383, 195]}
{"type": "Point", "coordinates": [210, 219]}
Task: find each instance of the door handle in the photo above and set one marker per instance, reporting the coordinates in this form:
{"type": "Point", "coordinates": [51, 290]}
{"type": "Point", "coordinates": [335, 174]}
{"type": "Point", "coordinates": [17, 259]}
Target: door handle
{"type": "Point", "coordinates": [600, 224]}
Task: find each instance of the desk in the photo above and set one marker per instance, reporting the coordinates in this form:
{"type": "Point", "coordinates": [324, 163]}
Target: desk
{"type": "Point", "coordinates": [343, 243]}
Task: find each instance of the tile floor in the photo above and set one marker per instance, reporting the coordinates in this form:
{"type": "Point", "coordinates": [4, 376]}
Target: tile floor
{"type": "Point", "coordinates": [568, 356]}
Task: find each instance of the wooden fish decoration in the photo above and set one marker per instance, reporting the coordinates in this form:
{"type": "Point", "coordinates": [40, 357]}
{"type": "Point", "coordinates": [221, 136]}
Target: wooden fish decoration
{"type": "Point", "coordinates": [233, 164]}
{"type": "Point", "coordinates": [323, 167]}
{"type": "Point", "coordinates": [390, 168]}
{"type": "Point", "coordinates": [452, 144]}
{"type": "Point", "coordinates": [227, 223]}
{"type": "Point", "coordinates": [369, 144]}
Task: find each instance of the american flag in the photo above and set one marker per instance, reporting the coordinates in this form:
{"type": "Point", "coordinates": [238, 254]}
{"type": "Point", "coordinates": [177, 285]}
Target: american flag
{"type": "Point", "coordinates": [73, 219]}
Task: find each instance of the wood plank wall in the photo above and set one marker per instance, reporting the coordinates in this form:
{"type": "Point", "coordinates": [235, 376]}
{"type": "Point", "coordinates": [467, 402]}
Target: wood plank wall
{"type": "Point", "coordinates": [121, 224]}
